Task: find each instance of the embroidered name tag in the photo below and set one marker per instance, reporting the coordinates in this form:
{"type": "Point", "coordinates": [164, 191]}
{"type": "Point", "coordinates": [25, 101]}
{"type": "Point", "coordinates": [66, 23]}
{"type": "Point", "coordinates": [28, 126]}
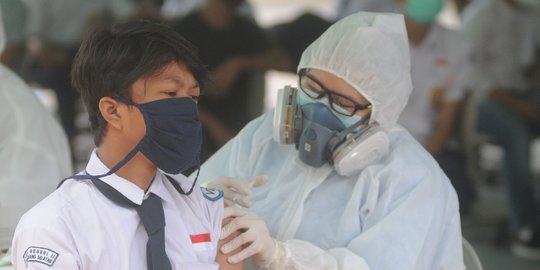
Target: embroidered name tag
{"type": "Point", "coordinates": [40, 255]}
{"type": "Point", "coordinates": [212, 194]}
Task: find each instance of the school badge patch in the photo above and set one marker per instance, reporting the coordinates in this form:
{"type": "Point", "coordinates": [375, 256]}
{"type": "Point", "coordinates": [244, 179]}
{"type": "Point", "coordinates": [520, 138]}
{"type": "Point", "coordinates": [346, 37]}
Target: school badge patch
{"type": "Point", "coordinates": [212, 194]}
{"type": "Point", "coordinates": [40, 255]}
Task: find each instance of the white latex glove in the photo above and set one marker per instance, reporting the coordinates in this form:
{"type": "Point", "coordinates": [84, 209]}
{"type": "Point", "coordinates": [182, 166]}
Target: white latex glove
{"type": "Point", "coordinates": [255, 237]}
{"type": "Point", "coordinates": [237, 192]}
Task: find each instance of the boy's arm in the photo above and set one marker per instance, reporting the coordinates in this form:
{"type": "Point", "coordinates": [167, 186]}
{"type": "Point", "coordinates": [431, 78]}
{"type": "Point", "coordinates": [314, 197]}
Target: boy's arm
{"type": "Point", "coordinates": [39, 248]}
{"type": "Point", "coordinates": [221, 258]}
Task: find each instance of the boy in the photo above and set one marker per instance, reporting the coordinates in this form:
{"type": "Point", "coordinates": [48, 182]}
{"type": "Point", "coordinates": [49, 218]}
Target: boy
{"type": "Point", "coordinates": [140, 82]}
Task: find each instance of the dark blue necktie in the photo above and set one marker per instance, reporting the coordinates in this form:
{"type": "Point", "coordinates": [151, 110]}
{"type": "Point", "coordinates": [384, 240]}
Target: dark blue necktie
{"type": "Point", "coordinates": [153, 219]}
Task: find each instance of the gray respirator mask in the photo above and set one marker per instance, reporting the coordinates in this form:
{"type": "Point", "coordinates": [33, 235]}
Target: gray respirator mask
{"type": "Point", "coordinates": [321, 137]}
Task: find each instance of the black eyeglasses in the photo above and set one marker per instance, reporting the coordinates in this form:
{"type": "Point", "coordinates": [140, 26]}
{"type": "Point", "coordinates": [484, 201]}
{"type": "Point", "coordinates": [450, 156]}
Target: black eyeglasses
{"type": "Point", "coordinates": [338, 103]}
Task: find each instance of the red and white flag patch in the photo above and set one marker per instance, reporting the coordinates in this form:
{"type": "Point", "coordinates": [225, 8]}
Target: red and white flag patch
{"type": "Point", "coordinates": [201, 242]}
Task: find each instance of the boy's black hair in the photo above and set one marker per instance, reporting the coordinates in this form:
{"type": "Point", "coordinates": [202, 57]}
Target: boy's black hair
{"type": "Point", "coordinates": [110, 60]}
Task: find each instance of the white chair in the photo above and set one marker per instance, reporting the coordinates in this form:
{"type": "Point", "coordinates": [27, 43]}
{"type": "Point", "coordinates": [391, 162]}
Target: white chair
{"type": "Point", "coordinates": [470, 258]}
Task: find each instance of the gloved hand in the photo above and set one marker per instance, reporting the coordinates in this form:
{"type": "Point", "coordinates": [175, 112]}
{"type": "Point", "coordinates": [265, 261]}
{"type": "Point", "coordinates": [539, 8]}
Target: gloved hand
{"type": "Point", "coordinates": [237, 191]}
{"type": "Point", "coordinates": [266, 251]}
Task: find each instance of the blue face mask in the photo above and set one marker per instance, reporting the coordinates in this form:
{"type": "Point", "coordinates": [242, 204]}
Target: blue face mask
{"type": "Point", "coordinates": [173, 136]}
{"type": "Point", "coordinates": [319, 125]}
{"type": "Point", "coordinates": [303, 99]}
{"type": "Point", "coordinates": [173, 133]}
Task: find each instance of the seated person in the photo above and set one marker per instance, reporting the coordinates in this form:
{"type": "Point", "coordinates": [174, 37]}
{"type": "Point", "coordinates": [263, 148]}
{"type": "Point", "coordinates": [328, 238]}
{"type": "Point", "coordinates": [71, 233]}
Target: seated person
{"type": "Point", "coordinates": [140, 82]}
{"type": "Point", "coordinates": [509, 110]}
{"type": "Point", "coordinates": [235, 50]}
{"type": "Point", "coordinates": [440, 75]}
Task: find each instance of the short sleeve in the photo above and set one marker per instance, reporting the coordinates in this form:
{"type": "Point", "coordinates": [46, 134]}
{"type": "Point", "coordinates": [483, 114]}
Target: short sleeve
{"type": "Point", "coordinates": [212, 207]}
{"type": "Point", "coordinates": [39, 247]}
{"type": "Point", "coordinates": [215, 209]}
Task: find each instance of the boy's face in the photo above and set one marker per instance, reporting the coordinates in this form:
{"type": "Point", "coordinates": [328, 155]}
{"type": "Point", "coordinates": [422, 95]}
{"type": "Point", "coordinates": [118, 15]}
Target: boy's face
{"type": "Point", "coordinates": [174, 81]}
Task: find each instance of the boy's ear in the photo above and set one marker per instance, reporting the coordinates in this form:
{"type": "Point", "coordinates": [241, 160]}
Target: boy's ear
{"type": "Point", "coordinates": [111, 112]}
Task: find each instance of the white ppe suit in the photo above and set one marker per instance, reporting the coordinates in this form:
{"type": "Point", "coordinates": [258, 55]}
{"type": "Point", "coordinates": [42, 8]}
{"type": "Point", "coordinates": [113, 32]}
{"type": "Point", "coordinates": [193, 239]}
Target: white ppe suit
{"type": "Point", "coordinates": [34, 153]}
{"type": "Point", "coordinates": [399, 213]}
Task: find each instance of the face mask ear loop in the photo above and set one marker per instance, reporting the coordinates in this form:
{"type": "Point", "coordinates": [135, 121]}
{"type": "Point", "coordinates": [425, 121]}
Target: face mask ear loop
{"type": "Point", "coordinates": [179, 188]}
{"type": "Point", "coordinates": [116, 167]}
{"type": "Point", "coordinates": [147, 122]}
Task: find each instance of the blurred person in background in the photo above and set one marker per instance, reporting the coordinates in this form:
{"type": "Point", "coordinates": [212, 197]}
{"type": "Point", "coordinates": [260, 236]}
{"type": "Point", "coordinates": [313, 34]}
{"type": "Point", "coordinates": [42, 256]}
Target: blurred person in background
{"type": "Point", "coordinates": [174, 10]}
{"type": "Point", "coordinates": [352, 189]}
{"type": "Point", "coordinates": [55, 30]}
{"type": "Point", "coordinates": [295, 35]}
{"type": "Point", "coordinates": [15, 30]}
{"type": "Point", "coordinates": [505, 36]}
{"type": "Point", "coordinates": [34, 152]}
{"type": "Point", "coordinates": [440, 69]}
{"type": "Point", "coordinates": [236, 51]}
{"type": "Point", "coordinates": [148, 10]}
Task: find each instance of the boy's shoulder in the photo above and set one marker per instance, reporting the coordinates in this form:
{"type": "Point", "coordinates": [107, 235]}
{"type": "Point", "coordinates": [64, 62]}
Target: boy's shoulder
{"type": "Point", "coordinates": [47, 228]}
{"type": "Point", "coordinates": [211, 194]}
{"type": "Point", "coordinates": [201, 197]}
{"type": "Point", "coordinates": [53, 209]}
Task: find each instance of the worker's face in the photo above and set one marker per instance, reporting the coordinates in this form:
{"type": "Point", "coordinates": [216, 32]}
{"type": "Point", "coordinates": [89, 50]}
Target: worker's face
{"type": "Point", "coordinates": [174, 81]}
{"type": "Point", "coordinates": [339, 86]}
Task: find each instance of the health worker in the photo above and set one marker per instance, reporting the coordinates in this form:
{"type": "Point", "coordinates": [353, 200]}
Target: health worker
{"type": "Point", "coordinates": [347, 188]}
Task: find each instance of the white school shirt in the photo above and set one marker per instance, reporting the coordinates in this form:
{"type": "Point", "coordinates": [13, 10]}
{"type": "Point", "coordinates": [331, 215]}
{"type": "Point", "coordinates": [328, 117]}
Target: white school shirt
{"type": "Point", "coordinates": [441, 61]}
{"type": "Point", "coordinates": [77, 227]}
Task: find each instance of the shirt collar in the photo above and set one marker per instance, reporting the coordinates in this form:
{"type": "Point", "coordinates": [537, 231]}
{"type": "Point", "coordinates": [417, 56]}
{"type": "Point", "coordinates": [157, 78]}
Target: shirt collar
{"type": "Point", "coordinates": [131, 191]}
{"type": "Point", "coordinates": [158, 187]}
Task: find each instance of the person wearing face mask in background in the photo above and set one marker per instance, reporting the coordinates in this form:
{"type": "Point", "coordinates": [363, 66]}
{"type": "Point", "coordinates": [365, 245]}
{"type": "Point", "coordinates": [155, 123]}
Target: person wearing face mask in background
{"type": "Point", "coordinates": [34, 151]}
{"type": "Point", "coordinates": [505, 36]}
{"type": "Point", "coordinates": [131, 208]}
{"type": "Point", "coordinates": [440, 68]}
{"type": "Point", "coordinates": [351, 189]}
